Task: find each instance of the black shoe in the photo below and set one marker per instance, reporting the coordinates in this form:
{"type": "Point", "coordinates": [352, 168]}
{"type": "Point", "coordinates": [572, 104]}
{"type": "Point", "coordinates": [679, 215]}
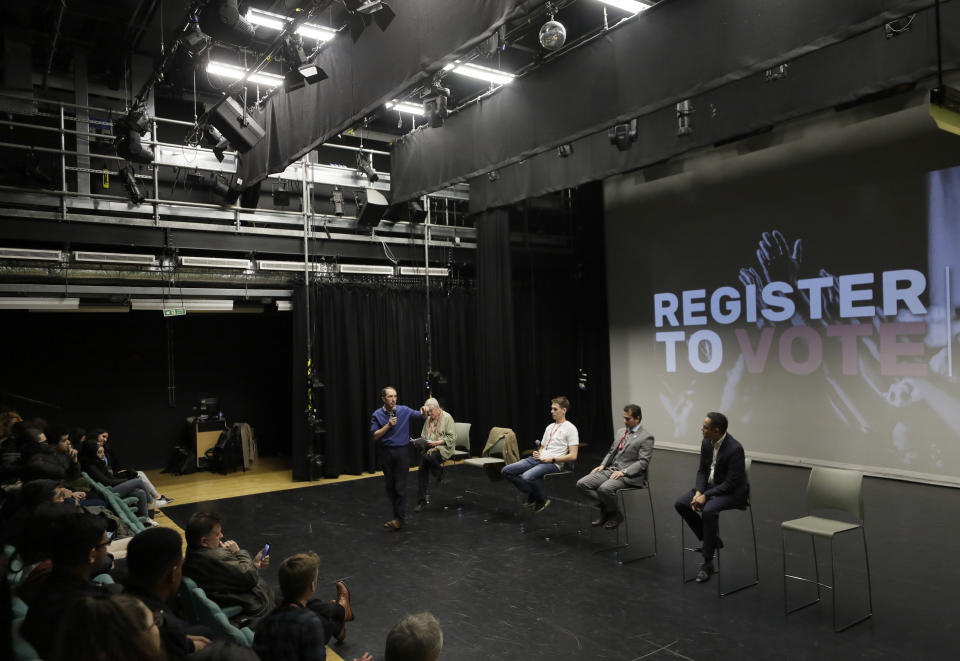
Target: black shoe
{"type": "Point", "coordinates": [420, 506]}
{"type": "Point", "coordinates": [601, 519]}
{"type": "Point", "coordinates": [613, 522]}
{"type": "Point", "coordinates": [706, 571]}
{"type": "Point", "coordinates": [539, 507]}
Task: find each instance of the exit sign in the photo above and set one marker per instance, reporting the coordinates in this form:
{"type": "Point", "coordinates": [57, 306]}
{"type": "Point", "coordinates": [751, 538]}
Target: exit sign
{"type": "Point", "coordinates": [174, 312]}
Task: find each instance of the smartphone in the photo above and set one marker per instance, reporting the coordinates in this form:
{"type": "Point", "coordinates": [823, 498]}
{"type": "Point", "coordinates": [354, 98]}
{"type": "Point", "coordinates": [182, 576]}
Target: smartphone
{"type": "Point", "coordinates": [266, 549]}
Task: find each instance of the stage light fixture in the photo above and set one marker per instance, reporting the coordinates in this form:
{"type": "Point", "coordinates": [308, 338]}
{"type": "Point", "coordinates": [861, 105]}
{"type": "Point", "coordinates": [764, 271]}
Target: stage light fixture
{"type": "Point", "coordinates": [435, 106]}
{"type": "Point", "coordinates": [130, 183]}
{"type": "Point", "coordinates": [128, 131]}
{"type": "Point", "coordinates": [365, 165]}
{"type": "Point", "coordinates": [213, 139]}
{"type": "Point", "coordinates": [684, 110]}
{"type": "Point", "coordinates": [363, 13]}
{"type": "Point", "coordinates": [493, 175]}
{"type": "Point", "coordinates": [281, 196]}
{"type": "Point", "coordinates": [563, 151]}
{"type": "Point", "coordinates": [337, 199]}
{"type": "Point", "coordinates": [480, 73]}
{"type": "Point", "coordinates": [195, 42]}
{"type": "Point", "coordinates": [222, 21]}
{"type": "Point", "coordinates": [622, 136]}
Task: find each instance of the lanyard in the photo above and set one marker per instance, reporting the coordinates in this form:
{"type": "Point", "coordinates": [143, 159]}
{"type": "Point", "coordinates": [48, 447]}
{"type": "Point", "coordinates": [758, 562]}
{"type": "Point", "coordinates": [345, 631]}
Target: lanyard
{"type": "Point", "coordinates": [550, 438]}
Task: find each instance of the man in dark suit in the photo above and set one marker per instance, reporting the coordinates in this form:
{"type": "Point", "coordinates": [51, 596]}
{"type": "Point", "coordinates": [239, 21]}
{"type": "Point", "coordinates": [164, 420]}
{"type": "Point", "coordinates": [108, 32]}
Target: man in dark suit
{"type": "Point", "coordinates": [624, 466]}
{"type": "Point", "coordinates": [721, 485]}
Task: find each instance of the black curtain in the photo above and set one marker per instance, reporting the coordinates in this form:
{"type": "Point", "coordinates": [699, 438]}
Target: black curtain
{"type": "Point", "coordinates": [301, 432]}
{"type": "Point", "coordinates": [367, 336]}
{"type": "Point", "coordinates": [496, 349]}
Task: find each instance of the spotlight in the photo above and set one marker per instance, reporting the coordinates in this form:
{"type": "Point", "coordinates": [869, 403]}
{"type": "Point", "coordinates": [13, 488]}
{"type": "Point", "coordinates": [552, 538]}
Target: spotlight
{"type": "Point", "coordinates": [130, 183]}
{"type": "Point", "coordinates": [684, 110]}
{"type": "Point", "coordinates": [337, 199]}
{"type": "Point", "coordinates": [493, 175]}
{"type": "Point", "coordinates": [195, 41]}
{"type": "Point", "coordinates": [435, 106]}
{"type": "Point", "coordinates": [563, 151]}
{"type": "Point", "coordinates": [622, 136]}
{"type": "Point", "coordinates": [128, 131]}
{"type": "Point", "coordinates": [362, 13]}
{"type": "Point", "coordinates": [214, 139]}
{"type": "Point", "coordinates": [365, 165]}
{"type": "Point", "coordinates": [222, 21]}
{"type": "Point", "coordinates": [220, 185]}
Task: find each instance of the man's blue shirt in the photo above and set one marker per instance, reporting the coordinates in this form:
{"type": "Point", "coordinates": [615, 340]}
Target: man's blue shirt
{"type": "Point", "coordinates": [399, 435]}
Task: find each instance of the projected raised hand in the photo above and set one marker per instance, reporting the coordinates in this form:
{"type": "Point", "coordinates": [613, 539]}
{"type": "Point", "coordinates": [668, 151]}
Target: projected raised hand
{"type": "Point", "coordinates": [778, 261]}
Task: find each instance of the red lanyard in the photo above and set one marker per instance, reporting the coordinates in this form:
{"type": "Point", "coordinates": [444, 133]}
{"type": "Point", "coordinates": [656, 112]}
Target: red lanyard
{"type": "Point", "coordinates": [550, 438]}
{"type": "Point", "coordinates": [620, 447]}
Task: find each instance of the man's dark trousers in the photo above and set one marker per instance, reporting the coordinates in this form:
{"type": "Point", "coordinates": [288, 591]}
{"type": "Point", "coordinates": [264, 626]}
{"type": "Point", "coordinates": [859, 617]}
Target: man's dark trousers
{"type": "Point", "coordinates": [707, 526]}
{"type": "Point", "coordinates": [396, 466]}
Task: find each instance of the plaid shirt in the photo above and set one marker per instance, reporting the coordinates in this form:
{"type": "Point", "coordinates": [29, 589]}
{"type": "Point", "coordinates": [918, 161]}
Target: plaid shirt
{"type": "Point", "coordinates": [290, 633]}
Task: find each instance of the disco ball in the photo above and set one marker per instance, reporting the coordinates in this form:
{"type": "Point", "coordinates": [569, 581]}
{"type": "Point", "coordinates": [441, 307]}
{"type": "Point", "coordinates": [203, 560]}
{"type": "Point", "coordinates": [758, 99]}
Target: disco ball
{"type": "Point", "coordinates": [553, 35]}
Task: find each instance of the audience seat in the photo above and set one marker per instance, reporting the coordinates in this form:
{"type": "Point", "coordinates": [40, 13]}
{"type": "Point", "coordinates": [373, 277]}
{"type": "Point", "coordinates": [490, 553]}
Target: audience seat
{"type": "Point", "coordinates": [209, 614]}
{"type": "Point", "coordinates": [22, 650]}
{"type": "Point", "coordinates": [462, 447]}
{"type": "Point", "coordinates": [119, 506]}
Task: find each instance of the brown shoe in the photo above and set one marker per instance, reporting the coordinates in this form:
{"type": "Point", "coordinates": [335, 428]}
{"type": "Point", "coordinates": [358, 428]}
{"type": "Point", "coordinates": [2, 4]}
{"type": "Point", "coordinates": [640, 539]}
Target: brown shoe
{"type": "Point", "coordinates": [343, 598]}
{"type": "Point", "coordinates": [393, 524]}
{"type": "Point", "coordinates": [342, 635]}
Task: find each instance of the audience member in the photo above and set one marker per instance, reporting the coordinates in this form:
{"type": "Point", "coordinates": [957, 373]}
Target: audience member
{"type": "Point", "coordinates": [625, 465]}
{"type": "Point", "coordinates": [102, 437]}
{"type": "Point", "coordinates": [299, 628]}
{"type": "Point", "coordinates": [721, 485]}
{"type": "Point", "coordinates": [154, 565]}
{"type": "Point", "coordinates": [226, 573]}
{"type": "Point", "coordinates": [107, 628]}
{"type": "Point", "coordinates": [91, 460]}
{"type": "Point", "coordinates": [440, 434]}
{"type": "Point", "coordinates": [416, 637]}
{"type": "Point", "coordinates": [80, 546]}
{"type": "Point", "coordinates": [558, 445]}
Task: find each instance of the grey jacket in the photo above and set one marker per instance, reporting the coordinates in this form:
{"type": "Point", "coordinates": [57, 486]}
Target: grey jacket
{"type": "Point", "coordinates": [635, 456]}
{"type": "Point", "coordinates": [230, 579]}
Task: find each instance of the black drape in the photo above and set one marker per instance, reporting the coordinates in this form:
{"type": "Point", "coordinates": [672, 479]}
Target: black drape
{"type": "Point", "coordinates": [300, 431]}
{"type": "Point", "coordinates": [496, 348]}
{"type": "Point", "coordinates": [370, 336]}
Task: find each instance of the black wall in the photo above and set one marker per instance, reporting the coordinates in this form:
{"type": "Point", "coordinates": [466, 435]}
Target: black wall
{"type": "Point", "coordinates": [110, 370]}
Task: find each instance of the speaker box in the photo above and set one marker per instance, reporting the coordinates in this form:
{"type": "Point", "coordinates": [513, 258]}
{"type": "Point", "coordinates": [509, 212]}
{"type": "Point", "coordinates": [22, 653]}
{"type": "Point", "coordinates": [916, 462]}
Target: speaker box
{"type": "Point", "coordinates": [240, 128]}
{"type": "Point", "coordinates": [371, 205]}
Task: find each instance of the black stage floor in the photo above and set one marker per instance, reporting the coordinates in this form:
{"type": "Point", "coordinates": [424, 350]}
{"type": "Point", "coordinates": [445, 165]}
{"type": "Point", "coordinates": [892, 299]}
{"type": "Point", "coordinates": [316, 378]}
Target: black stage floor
{"type": "Point", "coordinates": [504, 594]}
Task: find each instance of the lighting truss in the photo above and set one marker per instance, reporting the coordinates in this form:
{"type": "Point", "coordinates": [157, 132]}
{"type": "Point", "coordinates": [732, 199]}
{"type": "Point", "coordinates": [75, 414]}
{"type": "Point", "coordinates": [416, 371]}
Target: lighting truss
{"type": "Point", "coordinates": [480, 73]}
{"type": "Point", "coordinates": [630, 6]}
{"type": "Point", "coordinates": [239, 73]}
{"type": "Point", "coordinates": [278, 22]}
{"type": "Point", "coordinates": [403, 106]}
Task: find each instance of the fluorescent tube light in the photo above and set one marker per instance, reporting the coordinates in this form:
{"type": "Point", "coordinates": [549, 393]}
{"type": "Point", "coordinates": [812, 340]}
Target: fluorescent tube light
{"type": "Point", "coordinates": [274, 265]}
{"type": "Point", "coordinates": [277, 22]}
{"type": "Point", "coordinates": [480, 73]}
{"type": "Point", "coordinates": [631, 6]}
{"type": "Point", "coordinates": [403, 106]}
{"type": "Point", "coordinates": [27, 253]}
{"type": "Point", "coordinates": [367, 269]}
{"type": "Point", "coordinates": [190, 304]}
{"type": "Point", "coordinates": [236, 73]}
{"type": "Point", "coordinates": [25, 303]}
{"type": "Point", "coordinates": [216, 262]}
{"type": "Point", "coordinates": [284, 306]}
{"type": "Point", "coordinates": [114, 258]}
{"type": "Point", "coordinates": [418, 270]}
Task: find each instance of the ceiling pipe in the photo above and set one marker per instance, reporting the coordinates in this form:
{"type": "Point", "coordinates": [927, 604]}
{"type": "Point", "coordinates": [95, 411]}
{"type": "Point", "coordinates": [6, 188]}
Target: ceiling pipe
{"type": "Point", "coordinates": [53, 42]}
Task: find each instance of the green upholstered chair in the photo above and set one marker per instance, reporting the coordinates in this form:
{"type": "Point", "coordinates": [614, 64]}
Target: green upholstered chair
{"type": "Point", "coordinates": [829, 489]}
{"type": "Point", "coordinates": [208, 613]}
{"type": "Point", "coordinates": [462, 444]}
{"type": "Point", "coordinates": [120, 506]}
{"type": "Point", "coordinates": [756, 563]}
{"type": "Point", "coordinates": [22, 650]}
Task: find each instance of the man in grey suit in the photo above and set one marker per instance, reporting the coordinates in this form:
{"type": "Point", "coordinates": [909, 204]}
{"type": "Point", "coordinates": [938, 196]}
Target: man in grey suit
{"type": "Point", "coordinates": [624, 466]}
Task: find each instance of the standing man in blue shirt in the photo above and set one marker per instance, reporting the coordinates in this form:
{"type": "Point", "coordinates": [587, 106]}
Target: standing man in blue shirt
{"type": "Point", "coordinates": [390, 425]}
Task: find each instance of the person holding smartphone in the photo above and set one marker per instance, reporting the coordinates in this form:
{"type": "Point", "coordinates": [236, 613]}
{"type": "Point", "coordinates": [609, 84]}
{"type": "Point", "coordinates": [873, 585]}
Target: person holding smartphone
{"type": "Point", "coordinates": [390, 426]}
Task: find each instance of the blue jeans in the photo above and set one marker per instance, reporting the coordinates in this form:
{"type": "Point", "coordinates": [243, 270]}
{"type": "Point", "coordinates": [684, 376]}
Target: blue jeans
{"type": "Point", "coordinates": [525, 475]}
{"type": "Point", "coordinates": [136, 488]}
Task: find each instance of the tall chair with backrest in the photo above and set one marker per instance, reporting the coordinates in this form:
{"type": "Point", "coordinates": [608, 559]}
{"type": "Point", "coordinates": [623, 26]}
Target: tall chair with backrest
{"type": "Point", "coordinates": [753, 531]}
{"type": "Point", "coordinates": [829, 489]}
{"type": "Point", "coordinates": [462, 447]}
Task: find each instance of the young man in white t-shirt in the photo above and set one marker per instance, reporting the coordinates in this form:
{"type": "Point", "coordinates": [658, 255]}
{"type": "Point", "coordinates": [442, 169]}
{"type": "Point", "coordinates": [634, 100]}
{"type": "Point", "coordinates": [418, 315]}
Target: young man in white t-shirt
{"type": "Point", "coordinates": [558, 445]}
